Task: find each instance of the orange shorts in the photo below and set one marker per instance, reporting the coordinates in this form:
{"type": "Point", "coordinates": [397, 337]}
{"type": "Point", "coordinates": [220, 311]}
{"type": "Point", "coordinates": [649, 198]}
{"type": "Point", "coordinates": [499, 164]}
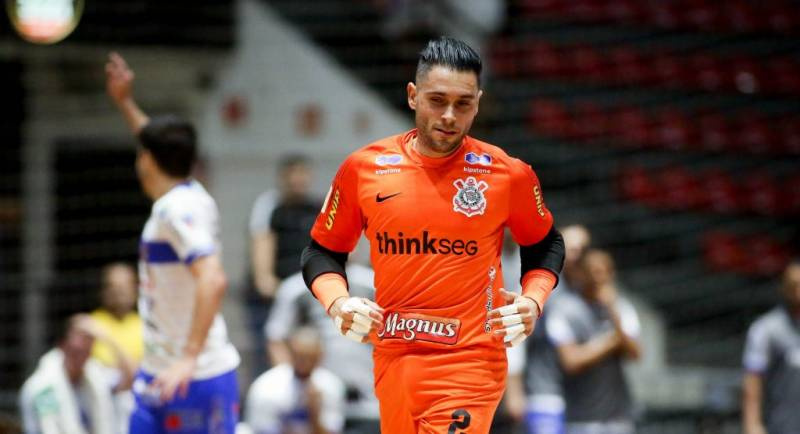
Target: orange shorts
{"type": "Point", "coordinates": [442, 392]}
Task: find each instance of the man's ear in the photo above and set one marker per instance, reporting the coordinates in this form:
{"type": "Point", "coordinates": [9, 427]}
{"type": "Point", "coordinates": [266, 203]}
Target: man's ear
{"type": "Point", "coordinates": [411, 89]}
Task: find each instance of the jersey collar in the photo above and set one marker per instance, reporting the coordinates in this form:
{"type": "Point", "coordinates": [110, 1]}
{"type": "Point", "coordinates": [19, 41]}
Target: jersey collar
{"type": "Point", "coordinates": [406, 141]}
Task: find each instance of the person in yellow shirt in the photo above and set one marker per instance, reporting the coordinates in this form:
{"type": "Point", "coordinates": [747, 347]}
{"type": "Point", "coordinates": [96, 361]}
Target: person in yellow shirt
{"type": "Point", "coordinates": [117, 314]}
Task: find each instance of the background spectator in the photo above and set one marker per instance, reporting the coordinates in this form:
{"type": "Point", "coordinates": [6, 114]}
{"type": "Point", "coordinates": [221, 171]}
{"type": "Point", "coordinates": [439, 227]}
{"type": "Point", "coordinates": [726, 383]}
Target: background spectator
{"type": "Point", "coordinates": [69, 392]}
{"type": "Point", "coordinates": [772, 364]}
{"type": "Point", "coordinates": [593, 331]}
{"type": "Point", "coordinates": [300, 396]}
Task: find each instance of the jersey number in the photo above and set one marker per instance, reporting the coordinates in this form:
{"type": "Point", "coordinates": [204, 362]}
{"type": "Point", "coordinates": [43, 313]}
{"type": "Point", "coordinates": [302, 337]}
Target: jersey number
{"type": "Point", "coordinates": [461, 420]}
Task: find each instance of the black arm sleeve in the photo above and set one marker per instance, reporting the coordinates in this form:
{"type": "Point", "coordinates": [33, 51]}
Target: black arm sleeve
{"type": "Point", "coordinates": [547, 254]}
{"type": "Point", "coordinates": [317, 260]}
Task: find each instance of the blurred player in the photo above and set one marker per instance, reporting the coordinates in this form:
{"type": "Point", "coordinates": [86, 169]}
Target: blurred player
{"type": "Point", "coordinates": [70, 393]}
{"type": "Point", "coordinates": [433, 203]}
{"type": "Point", "coordinates": [299, 396]}
{"type": "Point", "coordinates": [594, 330]}
{"type": "Point", "coordinates": [188, 379]}
{"type": "Point", "coordinates": [771, 389]}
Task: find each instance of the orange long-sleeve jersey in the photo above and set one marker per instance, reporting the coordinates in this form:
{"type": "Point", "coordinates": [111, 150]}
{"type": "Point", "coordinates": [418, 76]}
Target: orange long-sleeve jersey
{"type": "Point", "coordinates": [435, 227]}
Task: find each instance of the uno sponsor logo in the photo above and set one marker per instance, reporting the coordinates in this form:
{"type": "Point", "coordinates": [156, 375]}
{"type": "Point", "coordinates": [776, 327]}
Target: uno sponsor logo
{"type": "Point", "coordinates": [425, 245]}
{"type": "Point", "coordinates": [537, 193]}
{"type": "Point", "coordinates": [416, 327]}
{"type": "Point", "coordinates": [332, 213]}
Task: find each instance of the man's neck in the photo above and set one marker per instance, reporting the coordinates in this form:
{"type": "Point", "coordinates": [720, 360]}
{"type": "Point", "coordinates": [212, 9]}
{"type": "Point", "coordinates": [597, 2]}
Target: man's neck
{"type": "Point", "coordinates": [427, 151]}
{"type": "Point", "coordinates": [162, 185]}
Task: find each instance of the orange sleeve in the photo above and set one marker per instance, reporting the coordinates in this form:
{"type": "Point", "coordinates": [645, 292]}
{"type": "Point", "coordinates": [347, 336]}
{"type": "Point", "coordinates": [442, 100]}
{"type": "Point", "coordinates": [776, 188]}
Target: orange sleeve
{"type": "Point", "coordinates": [537, 285]}
{"type": "Point", "coordinates": [339, 224]}
{"type": "Point", "coordinates": [328, 287]}
{"type": "Point", "coordinates": [529, 219]}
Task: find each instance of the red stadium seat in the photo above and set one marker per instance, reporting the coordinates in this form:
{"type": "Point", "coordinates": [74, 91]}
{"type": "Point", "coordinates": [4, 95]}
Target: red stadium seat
{"type": "Point", "coordinates": [670, 72]}
{"type": "Point", "coordinates": [625, 11]}
{"type": "Point", "coordinates": [550, 118]}
{"type": "Point", "coordinates": [709, 72]}
{"type": "Point", "coordinates": [790, 195]}
{"type": "Point", "coordinates": [722, 193]}
{"type": "Point", "coordinates": [587, 64]}
{"type": "Point", "coordinates": [781, 17]}
{"type": "Point", "coordinates": [701, 14]}
{"type": "Point", "coordinates": [543, 59]}
{"type": "Point", "coordinates": [722, 251]}
{"type": "Point", "coordinates": [591, 122]}
{"type": "Point", "coordinates": [631, 126]}
{"type": "Point", "coordinates": [789, 128]}
{"type": "Point", "coordinates": [505, 57]}
{"type": "Point", "coordinates": [636, 185]}
{"type": "Point", "coordinates": [762, 194]}
{"type": "Point", "coordinates": [664, 14]}
{"type": "Point", "coordinates": [784, 76]}
{"type": "Point", "coordinates": [714, 132]}
{"type": "Point", "coordinates": [740, 16]}
{"type": "Point", "coordinates": [754, 134]}
{"type": "Point", "coordinates": [672, 129]}
{"type": "Point", "coordinates": [679, 188]}
{"type": "Point", "coordinates": [628, 66]}
{"type": "Point", "coordinates": [587, 10]}
{"type": "Point", "coordinates": [768, 256]}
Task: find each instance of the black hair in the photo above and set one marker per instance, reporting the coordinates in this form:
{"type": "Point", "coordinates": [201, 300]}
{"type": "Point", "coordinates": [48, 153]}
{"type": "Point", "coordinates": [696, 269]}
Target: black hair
{"type": "Point", "coordinates": [289, 161]}
{"type": "Point", "coordinates": [450, 53]}
{"type": "Point", "coordinates": [173, 143]}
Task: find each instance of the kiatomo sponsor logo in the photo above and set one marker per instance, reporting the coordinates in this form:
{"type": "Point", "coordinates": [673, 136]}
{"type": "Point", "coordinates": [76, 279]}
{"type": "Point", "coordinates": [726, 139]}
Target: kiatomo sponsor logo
{"type": "Point", "coordinates": [400, 244]}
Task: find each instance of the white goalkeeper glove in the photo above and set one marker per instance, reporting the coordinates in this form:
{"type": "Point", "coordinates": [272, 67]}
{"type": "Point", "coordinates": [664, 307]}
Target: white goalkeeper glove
{"type": "Point", "coordinates": [516, 320]}
{"type": "Point", "coordinates": [356, 317]}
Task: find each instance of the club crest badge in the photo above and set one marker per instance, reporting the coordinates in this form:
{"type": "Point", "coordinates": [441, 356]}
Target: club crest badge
{"type": "Point", "coordinates": [469, 198]}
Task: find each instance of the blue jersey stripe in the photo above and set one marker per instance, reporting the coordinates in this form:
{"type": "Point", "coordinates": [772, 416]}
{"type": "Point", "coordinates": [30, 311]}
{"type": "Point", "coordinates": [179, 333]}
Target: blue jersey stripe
{"type": "Point", "coordinates": [158, 252]}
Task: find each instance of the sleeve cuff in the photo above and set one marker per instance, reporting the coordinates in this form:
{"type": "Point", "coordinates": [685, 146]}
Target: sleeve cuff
{"type": "Point", "coordinates": [537, 285]}
{"type": "Point", "coordinates": [328, 287]}
{"type": "Point", "coordinates": [197, 254]}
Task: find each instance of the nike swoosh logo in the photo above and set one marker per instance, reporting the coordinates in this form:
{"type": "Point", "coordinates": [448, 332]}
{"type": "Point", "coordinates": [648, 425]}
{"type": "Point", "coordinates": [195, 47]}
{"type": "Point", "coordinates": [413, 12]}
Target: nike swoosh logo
{"type": "Point", "coordinates": [380, 199]}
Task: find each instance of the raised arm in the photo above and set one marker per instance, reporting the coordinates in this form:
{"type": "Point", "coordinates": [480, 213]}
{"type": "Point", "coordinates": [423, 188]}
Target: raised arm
{"type": "Point", "coordinates": [119, 86]}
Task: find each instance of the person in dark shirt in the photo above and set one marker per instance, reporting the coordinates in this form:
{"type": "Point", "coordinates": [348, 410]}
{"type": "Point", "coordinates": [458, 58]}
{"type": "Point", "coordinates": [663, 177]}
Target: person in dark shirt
{"type": "Point", "coordinates": [280, 223]}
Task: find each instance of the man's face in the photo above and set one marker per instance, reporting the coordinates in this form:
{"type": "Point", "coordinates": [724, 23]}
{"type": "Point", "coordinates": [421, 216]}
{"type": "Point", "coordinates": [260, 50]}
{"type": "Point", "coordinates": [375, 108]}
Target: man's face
{"type": "Point", "coordinates": [576, 241]}
{"type": "Point", "coordinates": [77, 347]}
{"type": "Point", "coordinates": [445, 102]}
{"type": "Point", "coordinates": [598, 270]}
{"type": "Point", "coordinates": [296, 180]}
{"type": "Point", "coordinates": [305, 357]}
{"type": "Point", "coordinates": [791, 285]}
{"type": "Point", "coordinates": [119, 290]}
